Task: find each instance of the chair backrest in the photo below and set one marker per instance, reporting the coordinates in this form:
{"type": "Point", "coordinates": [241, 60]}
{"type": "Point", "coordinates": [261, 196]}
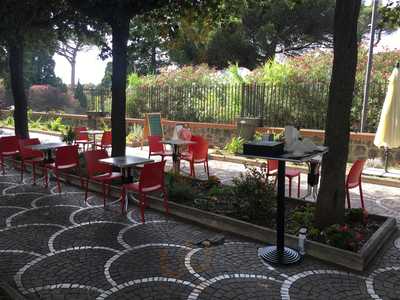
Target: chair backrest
{"type": "Point", "coordinates": [27, 153]}
{"type": "Point", "coordinates": [354, 176]}
{"type": "Point", "coordinates": [79, 135]}
{"type": "Point", "coordinates": [67, 155]}
{"type": "Point", "coordinates": [155, 143]}
{"type": "Point", "coordinates": [93, 166]}
{"type": "Point", "coordinates": [106, 138]}
{"type": "Point", "coordinates": [199, 150]}
{"type": "Point", "coordinates": [152, 175]}
{"type": "Point", "coordinates": [9, 144]}
{"type": "Point", "coordinates": [272, 165]}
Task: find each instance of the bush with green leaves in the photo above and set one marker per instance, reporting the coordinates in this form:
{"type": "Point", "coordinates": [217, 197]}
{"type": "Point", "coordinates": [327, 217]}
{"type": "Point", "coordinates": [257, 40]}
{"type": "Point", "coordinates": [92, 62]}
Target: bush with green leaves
{"type": "Point", "coordinates": [253, 197]}
{"type": "Point", "coordinates": [235, 145]}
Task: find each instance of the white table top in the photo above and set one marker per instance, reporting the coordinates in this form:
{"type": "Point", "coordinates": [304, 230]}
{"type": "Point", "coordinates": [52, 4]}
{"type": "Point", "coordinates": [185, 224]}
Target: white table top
{"type": "Point", "coordinates": [46, 146]}
{"type": "Point", "coordinates": [92, 131]}
{"type": "Point", "coordinates": [177, 142]}
{"type": "Point", "coordinates": [125, 161]}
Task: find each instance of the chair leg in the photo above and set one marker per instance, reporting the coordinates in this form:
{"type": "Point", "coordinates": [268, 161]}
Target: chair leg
{"type": "Point", "coordinates": [34, 172]}
{"type": "Point", "coordinates": [2, 165]}
{"type": "Point", "coordinates": [208, 169]}
{"type": "Point", "coordinates": [361, 196]}
{"type": "Point", "coordinates": [86, 189]}
{"type": "Point", "coordinates": [103, 185]}
{"type": "Point", "coordinates": [192, 171]}
{"type": "Point", "coordinates": [78, 171]}
{"type": "Point", "coordinates": [298, 186]}
{"type": "Point", "coordinates": [165, 196]}
{"type": "Point", "coordinates": [22, 170]}
{"type": "Point", "coordinates": [348, 197]}
{"type": "Point", "coordinates": [46, 177]}
{"type": "Point", "coordinates": [58, 180]}
{"type": "Point", "coordinates": [142, 203]}
{"type": "Point", "coordinates": [123, 196]}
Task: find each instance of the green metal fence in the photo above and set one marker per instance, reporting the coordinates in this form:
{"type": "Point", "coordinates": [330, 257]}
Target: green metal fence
{"type": "Point", "coordinates": [302, 104]}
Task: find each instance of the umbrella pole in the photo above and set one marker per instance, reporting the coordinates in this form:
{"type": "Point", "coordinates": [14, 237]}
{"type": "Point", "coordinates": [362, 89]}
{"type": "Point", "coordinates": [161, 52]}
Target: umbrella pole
{"type": "Point", "coordinates": [386, 159]}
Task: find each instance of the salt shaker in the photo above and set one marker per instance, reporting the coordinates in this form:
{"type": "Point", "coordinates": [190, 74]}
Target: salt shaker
{"type": "Point", "coordinates": [302, 238]}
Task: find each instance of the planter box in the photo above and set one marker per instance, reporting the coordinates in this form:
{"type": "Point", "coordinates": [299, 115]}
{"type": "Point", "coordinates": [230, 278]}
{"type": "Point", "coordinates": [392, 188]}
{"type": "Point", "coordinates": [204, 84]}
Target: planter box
{"type": "Point", "coordinates": [357, 261]}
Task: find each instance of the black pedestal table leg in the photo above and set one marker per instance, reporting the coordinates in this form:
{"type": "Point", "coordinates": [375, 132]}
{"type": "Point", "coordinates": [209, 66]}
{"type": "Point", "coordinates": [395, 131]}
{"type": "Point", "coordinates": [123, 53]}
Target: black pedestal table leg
{"type": "Point", "coordinates": [280, 254]}
{"type": "Point", "coordinates": [280, 213]}
{"type": "Point", "coordinates": [175, 158]}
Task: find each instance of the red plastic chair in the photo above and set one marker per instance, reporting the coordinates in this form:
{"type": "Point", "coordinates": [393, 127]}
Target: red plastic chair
{"type": "Point", "coordinates": [29, 156]}
{"type": "Point", "coordinates": [81, 138]}
{"type": "Point", "coordinates": [353, 180]}
{"type": "Point", "coordinates": [66, 158]}
{"type": "Point", "coordinates": [156, 147]}
{"type": "Point", "coordinates": [151, 180]}
{"type": "Point", "coordinates": [99, 172]}
{"type": "Point", "coordinates": [197, 154]}
{"type": "Point", "coordinates": [9, 147]}
{"type": "Point", "coordinates": [272, 170]}
{"type": "Point", "coordinates": [106, 140]}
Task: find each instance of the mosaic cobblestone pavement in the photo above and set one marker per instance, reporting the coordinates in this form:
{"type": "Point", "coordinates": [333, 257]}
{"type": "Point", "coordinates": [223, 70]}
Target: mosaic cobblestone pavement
{"type": "Point", "coordinates": [56, 246]}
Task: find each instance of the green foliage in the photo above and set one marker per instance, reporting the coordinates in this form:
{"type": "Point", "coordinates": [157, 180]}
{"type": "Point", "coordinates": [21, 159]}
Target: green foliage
{"type": "Point", "coordinates": [135, 133]}
{"type": "Point", "coordinates": [80, 95]}
{"type": "Point", "coordinates": [56, 124]}
{"type": "Point", "coordinates": [254, 198]}
{"type": "Point", "coordinates": [235, 145]}
{"type": "Point", "coordinates": [341, 237]}
{"type": "Point", "coordinates": [179, 189]}
{"type": "Point", "coordinates": [68, 135]}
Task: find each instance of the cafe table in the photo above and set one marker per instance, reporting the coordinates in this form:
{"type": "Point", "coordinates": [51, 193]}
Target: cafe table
{"type": "Point", "coordinates": [93, 133]}
{"type": "Point", "coordinates": [47, 148]}
{"type": "Point", "coordinates": [279, 254]}
{"type": "Point", "coordinates": [176, 148]}
{"type": "Point", "coordinates": [126, 163]}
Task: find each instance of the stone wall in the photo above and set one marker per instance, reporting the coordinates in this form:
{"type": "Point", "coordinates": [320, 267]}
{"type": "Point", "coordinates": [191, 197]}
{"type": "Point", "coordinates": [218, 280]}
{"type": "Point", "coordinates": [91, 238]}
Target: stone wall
{"type": "Point", "coordinates": [218, 135]}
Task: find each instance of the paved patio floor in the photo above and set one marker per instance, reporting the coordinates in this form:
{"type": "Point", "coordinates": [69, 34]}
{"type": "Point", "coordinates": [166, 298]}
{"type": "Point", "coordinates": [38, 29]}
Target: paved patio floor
{"type": "Point", "coordinates": [56, 246]}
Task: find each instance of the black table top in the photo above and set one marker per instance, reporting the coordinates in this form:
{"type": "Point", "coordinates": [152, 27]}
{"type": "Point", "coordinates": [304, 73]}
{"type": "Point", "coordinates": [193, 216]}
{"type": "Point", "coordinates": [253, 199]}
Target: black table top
{"type": "Point", "coordinates": [292, 158]}
{"type": "Point", "coordinates": [46, 146]}
{"type": "Point", "coordinates": [125, 161]}
{"type": "Point", "coordinates": [178, 142]}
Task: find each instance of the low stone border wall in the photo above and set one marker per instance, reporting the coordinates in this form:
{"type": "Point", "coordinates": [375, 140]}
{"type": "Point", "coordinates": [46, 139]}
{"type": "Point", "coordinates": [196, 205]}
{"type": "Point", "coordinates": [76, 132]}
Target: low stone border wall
{"type": "Point", "coordinates": [361, 144]}
{"type": "Point", "coordinates": [351, 260]}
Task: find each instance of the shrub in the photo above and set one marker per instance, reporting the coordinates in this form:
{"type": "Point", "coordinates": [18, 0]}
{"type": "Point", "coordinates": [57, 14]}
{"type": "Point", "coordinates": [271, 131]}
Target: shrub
{"type": "Point", "coordinates": [235, 145]}
{"type": "Point", "coordinates": [253, 197]}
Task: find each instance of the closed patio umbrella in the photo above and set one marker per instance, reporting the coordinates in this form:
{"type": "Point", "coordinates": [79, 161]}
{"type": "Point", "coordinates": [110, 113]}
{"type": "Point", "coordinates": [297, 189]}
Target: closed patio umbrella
{"type": "Point", "coordinates": [388, 133]}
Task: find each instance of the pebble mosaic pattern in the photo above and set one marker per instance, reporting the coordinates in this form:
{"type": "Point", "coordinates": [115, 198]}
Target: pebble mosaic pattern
{"type": "Point", "coordinates": [56, 246]}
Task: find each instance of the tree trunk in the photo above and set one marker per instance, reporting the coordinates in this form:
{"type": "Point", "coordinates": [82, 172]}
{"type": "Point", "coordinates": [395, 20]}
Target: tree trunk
{"type": "Point", "coordinates": [73, 65]}
{"type": "Point", "coordinates": [120, 33]}
{"type": "Point", "coordinates": [331, 198]}
{"type": "Point", "coordinates": [16, 61]}
{"type": "Point", "coordinates": [153, 66]}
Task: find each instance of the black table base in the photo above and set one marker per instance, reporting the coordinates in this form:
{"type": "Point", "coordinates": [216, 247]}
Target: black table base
{"type": "Point", "coordinates": [272, 255]}
{"type": "Point", "coordinates": [280, 254]}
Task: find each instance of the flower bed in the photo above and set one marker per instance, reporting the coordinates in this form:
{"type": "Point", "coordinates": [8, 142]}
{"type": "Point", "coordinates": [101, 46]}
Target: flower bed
{"type": "Point", "coordinates": [251, 200]}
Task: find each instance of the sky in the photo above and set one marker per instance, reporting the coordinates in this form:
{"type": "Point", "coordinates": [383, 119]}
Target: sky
{"type": "Point", "coordinates": [90, 68]}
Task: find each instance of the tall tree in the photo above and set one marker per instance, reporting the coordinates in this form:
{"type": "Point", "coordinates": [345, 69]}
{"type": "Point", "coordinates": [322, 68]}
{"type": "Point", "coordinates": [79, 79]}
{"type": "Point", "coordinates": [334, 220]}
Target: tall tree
{"type": "Point", "coordinates": [18, 23]}
{"type": "Point", "coordinates": [331, 198]}
{"type": "Point", "coordinates": [117, 14]}
{"type": "Point", "coordinates": [69, 50]}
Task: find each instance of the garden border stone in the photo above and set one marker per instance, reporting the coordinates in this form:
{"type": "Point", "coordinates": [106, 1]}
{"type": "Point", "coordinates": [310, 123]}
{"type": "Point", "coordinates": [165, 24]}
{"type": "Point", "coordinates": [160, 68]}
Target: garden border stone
{"type": "Point", "coordinates": [357, 261]}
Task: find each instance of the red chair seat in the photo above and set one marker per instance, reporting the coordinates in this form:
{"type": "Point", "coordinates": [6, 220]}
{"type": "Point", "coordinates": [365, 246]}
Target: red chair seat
{"type": "Point", "coordinates": [135, 187]}
{"type": "Point", "coordinates": [98, 171]}
{"type": "Point", "coordinates": [107, 176]}
{"type": "Point", "coordinates": [290, 173]}
{"type": "Point", "coordinates": [197, 153]}
{"type": "Point", "coordinates": [9, 153]}
{"type": "Point", "coordinates": [353, 180]}
{"type": "Point", "coordinates": [62, 167]}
